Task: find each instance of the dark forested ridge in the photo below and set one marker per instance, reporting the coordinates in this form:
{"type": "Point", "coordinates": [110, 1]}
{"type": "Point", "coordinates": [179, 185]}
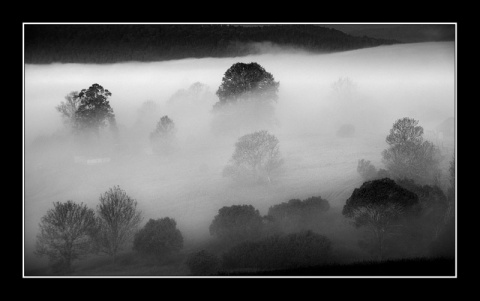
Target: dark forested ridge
{"type": "Point", "coordinates": [111, 43]}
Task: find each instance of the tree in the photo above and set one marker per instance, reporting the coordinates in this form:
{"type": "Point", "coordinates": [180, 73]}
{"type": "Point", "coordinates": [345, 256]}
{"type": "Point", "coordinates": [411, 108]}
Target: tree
{"type": "Point", "coordinates": [297, 215]}
{"type": "Point", "coordinates": [366, 170]}
{"type": "Point", "coordinates": [66, 234]}
{"type": "Point", "coordinates": [158, 238]}
{"type": "Point", "coordinates": [409, 156]}
{"type": "Point", "coordinates": [424, 228]}
{"type": "Point", "coordinates": [256, 155]}
{"type": "Point", "coordinates": [94, 109]}
{"type": "Point", "coordinates": [236, 223]}
{"type": "Point", "coordinates": [68, 109]}
{"type": "Point", "coordinates": [244, 82]}
{"type": "Point", "coordinates": [161, 138]}
{"type": "Point", "coordinates": [380, 206]}
{"type": "Point", "coordinates": [118, 220]}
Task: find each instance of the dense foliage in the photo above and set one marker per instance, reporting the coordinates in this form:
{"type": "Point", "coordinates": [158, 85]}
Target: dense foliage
{"type": "Point", "coordinates": [237, 223]}
{"type": "Point", "coordinates": [277, 252]}
{"type": "Point", "coordinates": [158, 238]}
{"type": "Point", "coordinates": [203, 263]}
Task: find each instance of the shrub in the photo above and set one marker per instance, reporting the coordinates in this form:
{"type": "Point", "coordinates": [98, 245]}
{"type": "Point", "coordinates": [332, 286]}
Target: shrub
{"type": "Point", "coordinates": [203, 263]}
{"type": "Point", "coordinates": [277, 252]}
{"type": "Point", "coordinates": [158, 238]}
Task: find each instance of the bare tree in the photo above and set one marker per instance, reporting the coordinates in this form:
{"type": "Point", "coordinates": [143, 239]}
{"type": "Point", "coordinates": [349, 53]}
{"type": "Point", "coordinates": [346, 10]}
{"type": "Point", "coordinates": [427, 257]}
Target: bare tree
{"type": "Point", "coordinates": [66, 234]}
{"type": "Point", "coordinates": [118, 221]}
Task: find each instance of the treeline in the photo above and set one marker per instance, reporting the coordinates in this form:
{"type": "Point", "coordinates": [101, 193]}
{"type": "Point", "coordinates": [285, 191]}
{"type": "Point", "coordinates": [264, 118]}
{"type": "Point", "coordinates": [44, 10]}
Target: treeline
{"type": "Point", "coordinates": [111, 43]}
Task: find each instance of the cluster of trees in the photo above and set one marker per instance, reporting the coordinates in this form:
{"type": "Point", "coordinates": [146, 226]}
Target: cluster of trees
{"type": "Point", "coordinates": [71, 231]}
{"type": "Point", "coordinates": [71, 43]}
{"type": "Point", "coordinates": [87, 111]}
{"type": "Point", "coordinates": [413, 164]}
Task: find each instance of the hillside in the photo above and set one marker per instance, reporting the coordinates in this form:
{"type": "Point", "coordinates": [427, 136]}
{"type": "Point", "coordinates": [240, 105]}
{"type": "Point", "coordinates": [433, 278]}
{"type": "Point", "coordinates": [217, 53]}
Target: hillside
{"type": "Point", "coordinates": [113, 43]}
{"type": "Point", "coordinates": [406, 33]}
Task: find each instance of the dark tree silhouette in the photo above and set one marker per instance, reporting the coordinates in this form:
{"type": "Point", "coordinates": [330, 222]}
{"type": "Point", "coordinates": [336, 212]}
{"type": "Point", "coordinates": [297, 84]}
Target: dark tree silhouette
{"type": "Point", "coordinates": [158, 238]}
{"type": "Point", "coordinates": [118, 220]}
{"type": "Point", "coordinates": [380, 206]}
{"type": "Point", "coordinates": [66, 233]}
{"type": "Point", "coordinates": [409, 155]}
{"type": "Point", "coordinates": [245, 82]}
{"type": "Point", "coordinates": [236, 223]}
{"type": "Point", "coordinates": [256, 155]}
{"type": "Point", "coordinates": [94, 109]}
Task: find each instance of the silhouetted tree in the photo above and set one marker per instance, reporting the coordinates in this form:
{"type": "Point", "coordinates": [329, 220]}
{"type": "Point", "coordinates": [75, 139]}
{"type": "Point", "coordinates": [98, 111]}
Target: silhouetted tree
{"type": "Point", "coordinates": [236, 223]}
{"type": "Point", "coordinates": [158, 238]}
{"type": "Point", "coordinates": [203, 263]}
{"type": "Point", "coordinates": [380, 206]}
{"type": "Point", "coordinates": [245, 82]}
{"type": "Point", "coordinates": [256, 155]}
{"type": "Point", "coordinates": [66, 233]}
{"type": "Point", "coordinates": [118, 220]}
{"type": "Point", "coordinates": [409, 156]}
{"type": "Point", "coordinates": [94, 109]}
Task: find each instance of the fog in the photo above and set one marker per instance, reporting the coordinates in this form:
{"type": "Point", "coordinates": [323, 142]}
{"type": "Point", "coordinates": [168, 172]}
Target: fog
{"type": "Point", "coordinates": [390, 82]}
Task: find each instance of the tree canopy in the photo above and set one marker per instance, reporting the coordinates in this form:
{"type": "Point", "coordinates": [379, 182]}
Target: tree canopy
{"type": "Point", "coordinates": [379, 205]}
{"type": "Point", "coordinates": [243, 82]}
{"type": "Point", "coordinates": [236, 223]}
{"type": "Point", "coordinates": [94, 109]}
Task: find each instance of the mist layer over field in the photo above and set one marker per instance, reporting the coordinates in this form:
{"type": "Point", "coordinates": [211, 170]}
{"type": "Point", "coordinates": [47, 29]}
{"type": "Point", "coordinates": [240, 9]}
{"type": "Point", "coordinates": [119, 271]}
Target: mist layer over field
{"type": "Point", "coordinates": [390, 82]}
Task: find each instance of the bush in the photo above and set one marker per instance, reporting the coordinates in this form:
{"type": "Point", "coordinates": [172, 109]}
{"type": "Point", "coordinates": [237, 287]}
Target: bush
{"type": "Point", "coordinates": [236, 223]}
{"type": "Point", "coordinates": [296, 214]}
{"type": "Point", "coordinates": [203, 263]}
{"type": "Point", "coordinates": [159, 238]}
{"type": "Point", "coordinates": [277, 252]}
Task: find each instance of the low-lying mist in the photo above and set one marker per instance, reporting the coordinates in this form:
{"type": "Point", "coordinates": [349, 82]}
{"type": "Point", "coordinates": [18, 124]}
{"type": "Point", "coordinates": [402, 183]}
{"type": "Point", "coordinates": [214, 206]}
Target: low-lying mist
{"type": "Point", "coordinates": [382, 84]}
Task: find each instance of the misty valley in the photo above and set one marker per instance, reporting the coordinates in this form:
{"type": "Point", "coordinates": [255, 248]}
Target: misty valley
{"type": "Point", "coordinates": [279, 163]}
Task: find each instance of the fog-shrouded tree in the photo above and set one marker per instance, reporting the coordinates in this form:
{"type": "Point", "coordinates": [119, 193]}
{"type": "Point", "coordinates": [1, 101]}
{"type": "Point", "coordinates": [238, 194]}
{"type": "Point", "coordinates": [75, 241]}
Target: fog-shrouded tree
{"type": "Point", "coordinates": [366, 170]}
{"type": "Point", "coordinates": [256, 156]}
{"type": "Point", "coordinates": [66, 233]}
{"type": "Point", "coordinates": [118, 220]}
{"type": "Point", "coordinates": [94, 109]}
{"type": "Point", "coordinates": [162, 137]}
{"type": "Point", "coordinates": [68, 109]}
{"type": "Point", "coordinates": [296, 215]}
{"type": "Point", "coordinates": [237, 223]}
{"type": "Point", "coordinates": [158, 238]}
{"type": "Point", "coordinates": [426, 226]}
{"type": "Point", "coordinates": [246, 99]}
{"type": "Point", "coordinates": [380, 205]}
{"type": "Point", "coordinates": [247, 82]}
{"type": "Point", "coordinates": [409, 155]}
